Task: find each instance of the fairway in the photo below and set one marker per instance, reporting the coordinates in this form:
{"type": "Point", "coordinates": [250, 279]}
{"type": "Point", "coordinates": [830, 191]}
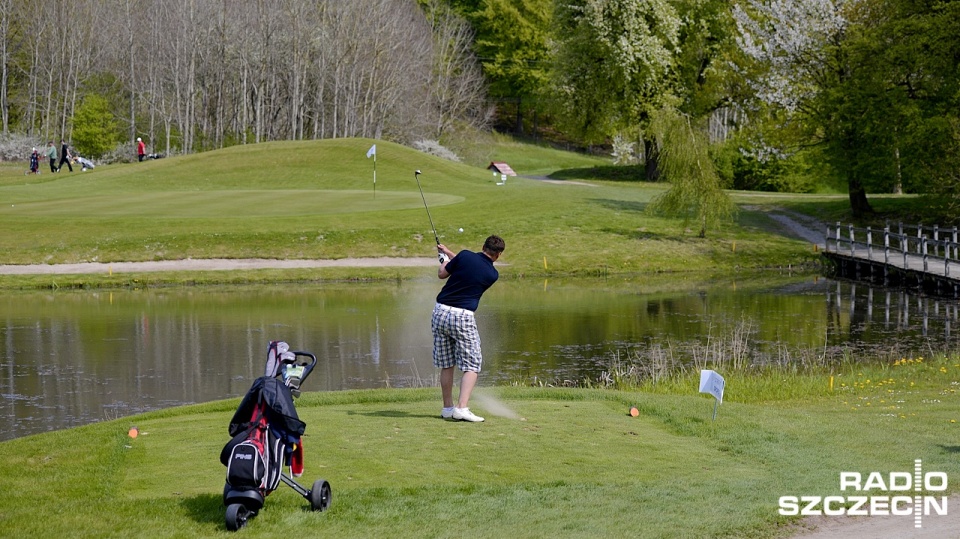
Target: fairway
{"type": "Point", "coordinates": [227, 204]}
{"type": "Point", "coordinates": [293, 200]}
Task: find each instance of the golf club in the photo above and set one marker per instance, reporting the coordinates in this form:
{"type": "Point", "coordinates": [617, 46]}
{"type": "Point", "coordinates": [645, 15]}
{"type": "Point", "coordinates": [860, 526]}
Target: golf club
{"type": "Point", "coordinates": [440, 255]}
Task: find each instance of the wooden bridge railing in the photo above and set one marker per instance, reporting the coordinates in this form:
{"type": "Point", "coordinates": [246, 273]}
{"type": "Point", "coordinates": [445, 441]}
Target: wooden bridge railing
{"type": "Point", "coordinates": [934, 244]}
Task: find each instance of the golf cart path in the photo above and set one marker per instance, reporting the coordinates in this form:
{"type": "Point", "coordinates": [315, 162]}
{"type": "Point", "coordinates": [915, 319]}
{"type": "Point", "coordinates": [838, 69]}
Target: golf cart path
{"type": "Point", "coordinates": [792, 224]}
{"type": "Point", "coordinates": [209, 264]}
{"type": "Point", "coordinates": [796, 225]}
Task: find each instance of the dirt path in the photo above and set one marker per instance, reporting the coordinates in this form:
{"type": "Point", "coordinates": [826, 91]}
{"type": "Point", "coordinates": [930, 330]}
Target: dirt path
{"type": "Point", "coordinates": [210, 264]}
{"type": "Point", "coordinates": [793, 224]}
{"type": "Point", "coordinates": [797, 225]}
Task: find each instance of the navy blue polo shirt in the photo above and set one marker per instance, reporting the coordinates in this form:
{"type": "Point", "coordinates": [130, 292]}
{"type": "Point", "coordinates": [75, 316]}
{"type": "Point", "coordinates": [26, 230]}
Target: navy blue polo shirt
{"type": "Point", "coordinates": [471, 274]}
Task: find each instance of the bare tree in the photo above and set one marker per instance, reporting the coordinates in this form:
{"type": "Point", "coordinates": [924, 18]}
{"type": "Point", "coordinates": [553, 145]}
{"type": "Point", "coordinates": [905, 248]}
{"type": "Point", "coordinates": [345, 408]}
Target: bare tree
{"type": "Point", "coordinates": [6, 12]}
{"type": "Point", "coordinates": [203, 74]}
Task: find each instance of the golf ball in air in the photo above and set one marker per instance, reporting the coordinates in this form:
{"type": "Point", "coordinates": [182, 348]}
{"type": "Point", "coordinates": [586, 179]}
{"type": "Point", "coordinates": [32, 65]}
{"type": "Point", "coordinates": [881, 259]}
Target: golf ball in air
{"type": "Point", "coordinates": [461, 230]}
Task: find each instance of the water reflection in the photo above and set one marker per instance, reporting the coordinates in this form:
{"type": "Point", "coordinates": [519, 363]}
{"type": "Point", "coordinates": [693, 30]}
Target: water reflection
{"type": "Point", "coordinates": [70, 358]}
{"type": "Point", "coordinates": [860, 313]}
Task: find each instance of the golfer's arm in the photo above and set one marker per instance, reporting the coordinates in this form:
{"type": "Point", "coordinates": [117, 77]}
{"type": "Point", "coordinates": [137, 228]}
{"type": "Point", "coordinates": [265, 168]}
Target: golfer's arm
{"type": "Point", "coordinates": [442, 271]}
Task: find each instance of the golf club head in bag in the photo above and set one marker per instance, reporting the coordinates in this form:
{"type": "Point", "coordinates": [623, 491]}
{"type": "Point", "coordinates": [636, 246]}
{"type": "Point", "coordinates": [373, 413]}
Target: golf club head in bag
{"type": "Point", "coordinates": [280, 360]}
{"type": "Point", "coordinates": [274, 350]}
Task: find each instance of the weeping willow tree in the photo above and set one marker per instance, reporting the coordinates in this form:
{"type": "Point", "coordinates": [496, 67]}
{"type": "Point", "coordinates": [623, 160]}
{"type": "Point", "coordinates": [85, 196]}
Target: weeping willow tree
{"type": "Point", "coordinates": [695, 193]}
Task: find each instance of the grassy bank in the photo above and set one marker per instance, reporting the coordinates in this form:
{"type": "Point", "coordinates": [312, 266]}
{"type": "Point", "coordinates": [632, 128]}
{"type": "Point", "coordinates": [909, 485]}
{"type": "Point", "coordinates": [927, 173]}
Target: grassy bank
{"type": "Point", "coordinates": [315, 200]}
{"type": "Point", "coordinates": [554, 462]}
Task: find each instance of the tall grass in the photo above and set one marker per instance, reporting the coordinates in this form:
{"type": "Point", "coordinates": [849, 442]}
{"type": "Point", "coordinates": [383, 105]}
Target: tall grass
{"type": "Point", "coordinates": [755, 371]}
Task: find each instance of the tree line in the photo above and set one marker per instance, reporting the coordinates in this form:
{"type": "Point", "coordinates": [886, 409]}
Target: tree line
{"type": "Point", "coordinates": [863, 95]}
{"type": "Point", "coordinates": [780, 95]}
{"type": "Point", "coordinates": [203, 74]}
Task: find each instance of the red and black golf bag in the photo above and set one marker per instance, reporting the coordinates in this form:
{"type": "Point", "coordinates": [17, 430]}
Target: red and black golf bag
{"type": "Point", "coordinates": [266, 436]}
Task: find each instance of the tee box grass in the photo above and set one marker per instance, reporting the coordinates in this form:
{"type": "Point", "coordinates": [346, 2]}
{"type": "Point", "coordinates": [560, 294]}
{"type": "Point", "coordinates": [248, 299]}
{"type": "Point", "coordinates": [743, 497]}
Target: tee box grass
{"type": "Point", "coordinates": [563, 463]}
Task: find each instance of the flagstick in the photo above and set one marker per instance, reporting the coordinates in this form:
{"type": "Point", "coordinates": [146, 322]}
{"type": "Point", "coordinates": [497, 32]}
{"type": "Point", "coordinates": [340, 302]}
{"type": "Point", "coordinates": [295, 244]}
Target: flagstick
{"type": "Point", "coordinates": [374, 175]}
{"type": "Point", "coordinates": [715, 404]}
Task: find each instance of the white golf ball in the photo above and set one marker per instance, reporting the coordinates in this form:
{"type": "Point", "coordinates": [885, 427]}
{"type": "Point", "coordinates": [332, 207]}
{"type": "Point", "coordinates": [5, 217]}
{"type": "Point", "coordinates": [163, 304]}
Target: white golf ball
{"type": "Point", "coordinates": [461, 230]}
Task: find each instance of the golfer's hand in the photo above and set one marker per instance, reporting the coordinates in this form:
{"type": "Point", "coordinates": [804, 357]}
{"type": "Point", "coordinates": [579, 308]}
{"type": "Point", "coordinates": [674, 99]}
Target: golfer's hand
{"type": "Point", "coordinates": [442, 249]}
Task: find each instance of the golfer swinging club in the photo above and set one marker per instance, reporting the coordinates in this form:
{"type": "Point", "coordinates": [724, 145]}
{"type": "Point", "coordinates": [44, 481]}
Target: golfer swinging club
{"type": "Point", "coordinates": [456, 341]}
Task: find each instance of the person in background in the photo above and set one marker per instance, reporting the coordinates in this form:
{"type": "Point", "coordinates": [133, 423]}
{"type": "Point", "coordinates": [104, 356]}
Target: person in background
{"type": "Point", "coordinates": [34, 162]}
{"type": "Point", "coordinates": [52, 154]}
{"type": "Point", "coordinates": [141, 149]}
{"type": "Point", "coordinates": [64, 156]}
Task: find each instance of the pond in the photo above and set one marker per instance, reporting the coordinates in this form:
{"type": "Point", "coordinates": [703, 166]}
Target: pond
{"type": "Point", "coordinates": [69, 358]}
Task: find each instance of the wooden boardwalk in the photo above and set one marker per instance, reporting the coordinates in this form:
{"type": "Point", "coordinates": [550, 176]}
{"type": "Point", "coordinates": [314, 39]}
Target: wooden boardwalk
{"type": "Point", "coordinates": [920, 257]}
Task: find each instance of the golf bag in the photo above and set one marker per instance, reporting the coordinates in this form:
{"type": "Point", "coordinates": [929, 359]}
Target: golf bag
{"type": "Point", "coordinates": [267, 436]}
{"type": "Point", "coordinates": [34, 163]}
{"type": "Point", "coordinates": [254, 457]}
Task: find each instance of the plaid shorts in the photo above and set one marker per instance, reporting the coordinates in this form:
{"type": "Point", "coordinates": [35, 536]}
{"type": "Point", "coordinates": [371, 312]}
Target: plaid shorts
{"type": "Point", "coordinates": [456, 341]}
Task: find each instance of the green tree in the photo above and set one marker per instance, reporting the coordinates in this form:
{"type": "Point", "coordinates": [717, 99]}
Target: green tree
{"type": "Point", "coordinates": [799, 51]}
{"type": "Point", "coordinates": [618, 61]}
{"type": "Point", "coordinates": [512, 45]}
{"type": "Point", "coordinates": [902, 99]}
{"type": "Point", "coordinates": [95, 130]}
{"type": "Point", "coordinates": [872, 82]}
{"type": "Point", "coordinates": [695, 193]}
{"type": "Point", "coordinates": [613, 63]}
{"type": "Point", "coordinates": [705, 78]}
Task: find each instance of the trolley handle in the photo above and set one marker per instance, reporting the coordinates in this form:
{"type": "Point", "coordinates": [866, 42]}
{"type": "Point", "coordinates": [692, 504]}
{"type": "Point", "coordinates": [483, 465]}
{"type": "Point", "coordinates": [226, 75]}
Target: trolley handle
{"type": "Point", "coordinates": [307, 365]}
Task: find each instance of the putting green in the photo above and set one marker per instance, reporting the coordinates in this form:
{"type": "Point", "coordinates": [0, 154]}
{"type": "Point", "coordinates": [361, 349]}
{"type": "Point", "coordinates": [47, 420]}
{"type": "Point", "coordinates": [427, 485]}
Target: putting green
{"type": "Point", "coordinates": [225, 204]}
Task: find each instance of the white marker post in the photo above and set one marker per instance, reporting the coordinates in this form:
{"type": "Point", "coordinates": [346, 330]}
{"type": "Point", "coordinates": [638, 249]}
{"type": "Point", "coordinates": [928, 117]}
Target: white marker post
{"type": "Point", "coordinates": [712, 383]}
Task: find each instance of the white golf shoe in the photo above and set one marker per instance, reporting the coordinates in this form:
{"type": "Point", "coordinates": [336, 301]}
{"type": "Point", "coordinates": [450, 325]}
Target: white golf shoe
{"type": "Point", "coordinates": [464, 414]}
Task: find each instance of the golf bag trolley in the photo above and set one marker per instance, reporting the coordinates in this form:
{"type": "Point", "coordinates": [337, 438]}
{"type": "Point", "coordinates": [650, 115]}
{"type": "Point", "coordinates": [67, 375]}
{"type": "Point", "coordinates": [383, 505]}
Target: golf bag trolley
{"type": "Point", "coordinates": [266, 436]}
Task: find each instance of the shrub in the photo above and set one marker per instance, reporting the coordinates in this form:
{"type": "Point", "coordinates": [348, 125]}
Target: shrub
{"type": "Point", "coordinates": [95, 131]}
{"type": "Point", "coordinates": [17, 147]}
{"type": "Point", "coordinates": [433, 147]}
{"type": "Point", "coordinates": [121, 153]}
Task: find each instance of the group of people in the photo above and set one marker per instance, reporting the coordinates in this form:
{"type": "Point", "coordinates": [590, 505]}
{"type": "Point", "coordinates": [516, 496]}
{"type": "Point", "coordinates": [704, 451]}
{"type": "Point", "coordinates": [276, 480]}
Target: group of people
{"type": "Point", "coordinates": [68, 159]}
{"type": "Point", "coordinates": [51, 153]}
{"type": "Point", "coordinates": [64, 156]}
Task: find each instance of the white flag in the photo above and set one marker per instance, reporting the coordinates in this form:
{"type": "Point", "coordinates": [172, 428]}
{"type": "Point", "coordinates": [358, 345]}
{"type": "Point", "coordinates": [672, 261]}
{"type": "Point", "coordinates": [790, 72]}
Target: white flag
{"type": "Point", "coordinates": [712, 383]}
{"type": "Point", "coordinates": [372, 151]}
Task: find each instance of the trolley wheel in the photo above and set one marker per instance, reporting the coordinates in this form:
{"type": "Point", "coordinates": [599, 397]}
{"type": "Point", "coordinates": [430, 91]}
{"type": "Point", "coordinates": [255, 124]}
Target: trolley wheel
{"type": "Point", "coordinates": [237, 516]}
{"type": "Point", "coordinates": [320, 495]}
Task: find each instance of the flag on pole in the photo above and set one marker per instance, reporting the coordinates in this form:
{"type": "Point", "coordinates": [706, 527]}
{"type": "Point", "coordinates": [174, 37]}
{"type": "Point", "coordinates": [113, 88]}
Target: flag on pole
{"type": "Point", "coordinates": [373, 152]}
{"type": "Point", "coordinates": [712, 383]}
